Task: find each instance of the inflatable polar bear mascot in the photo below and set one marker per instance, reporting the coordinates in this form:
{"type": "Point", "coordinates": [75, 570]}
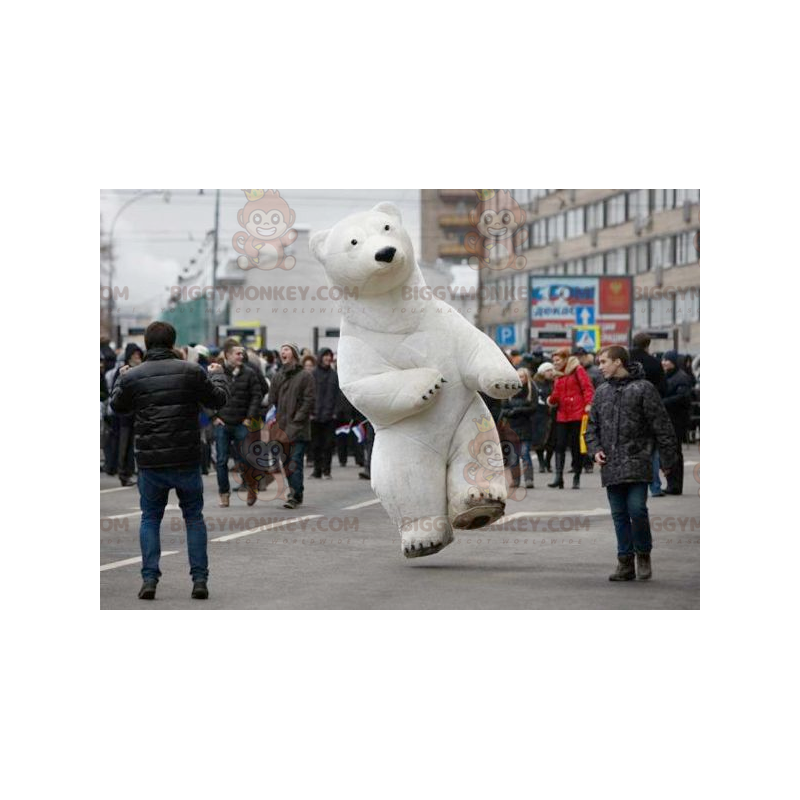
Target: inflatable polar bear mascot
{"type": "Point", "coordinates": [413, 367]}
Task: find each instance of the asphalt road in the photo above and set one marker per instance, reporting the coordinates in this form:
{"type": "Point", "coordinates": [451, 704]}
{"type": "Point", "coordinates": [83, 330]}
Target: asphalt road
{"type": "Point", "coordinates": [556, 555]}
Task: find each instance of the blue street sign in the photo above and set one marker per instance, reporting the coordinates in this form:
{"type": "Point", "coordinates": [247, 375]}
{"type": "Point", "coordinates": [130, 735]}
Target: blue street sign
{"type": "Point", "coordinates": [588, 339]}
{"type": "Point", "coordinates": [506, 335]}
{"type": "Point", "coordinates": [584, 315]}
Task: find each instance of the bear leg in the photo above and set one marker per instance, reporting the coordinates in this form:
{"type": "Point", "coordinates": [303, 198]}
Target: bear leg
{"type": "Point", "coordinates": [474, 504]}
{"type": "Point", "coordinates": [409, 478]}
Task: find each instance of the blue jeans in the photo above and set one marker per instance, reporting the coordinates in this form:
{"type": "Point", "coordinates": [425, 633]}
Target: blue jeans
{"type": "Point", "coordinates": [154, 486]}
{"type": "Point", "coordinates": [294, 469]}
{"type": "Point", "coordinates": [224, 435]}
{"type": "Point", "coordinates": [631, 522]}
{"type": "Point", "coordinates": [655, 486]}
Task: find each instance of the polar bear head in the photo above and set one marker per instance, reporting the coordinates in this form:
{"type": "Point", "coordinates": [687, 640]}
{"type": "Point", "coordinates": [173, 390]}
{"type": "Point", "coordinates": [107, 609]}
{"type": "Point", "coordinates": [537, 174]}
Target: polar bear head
{"type": "Point", "coordinates": [370, 252]}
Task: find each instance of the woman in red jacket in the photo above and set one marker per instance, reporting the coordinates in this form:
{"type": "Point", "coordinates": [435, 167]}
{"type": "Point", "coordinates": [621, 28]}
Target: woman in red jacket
{"type": "Point", "coordinates": [572, 395]}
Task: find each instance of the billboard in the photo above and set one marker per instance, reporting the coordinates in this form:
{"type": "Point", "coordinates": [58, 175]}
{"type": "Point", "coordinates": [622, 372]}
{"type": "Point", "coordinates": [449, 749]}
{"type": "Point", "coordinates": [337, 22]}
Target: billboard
{"type": "Point", "coordinates": [561, 305]}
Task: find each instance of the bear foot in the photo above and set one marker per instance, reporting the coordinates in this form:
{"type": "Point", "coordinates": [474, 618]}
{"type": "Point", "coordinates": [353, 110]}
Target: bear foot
{"type": "Point", "coordinates": [426, 537]}
{"type": "Point", "coordinates": [483, 507]}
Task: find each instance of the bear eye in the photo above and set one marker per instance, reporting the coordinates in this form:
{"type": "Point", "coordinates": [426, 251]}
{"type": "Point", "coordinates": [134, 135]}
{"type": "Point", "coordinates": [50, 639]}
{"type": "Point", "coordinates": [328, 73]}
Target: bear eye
{"type": "Point", "coordinates": [388, 228]}
{"type": "Point", "coordinates": [354, 242]}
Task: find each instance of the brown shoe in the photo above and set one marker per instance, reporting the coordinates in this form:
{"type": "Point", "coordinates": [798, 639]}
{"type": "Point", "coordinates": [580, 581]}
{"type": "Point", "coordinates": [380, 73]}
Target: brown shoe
{"type": "Point", "coordinates": [252, 496]}
{"type": "Point", "coordinates": [224, 501]}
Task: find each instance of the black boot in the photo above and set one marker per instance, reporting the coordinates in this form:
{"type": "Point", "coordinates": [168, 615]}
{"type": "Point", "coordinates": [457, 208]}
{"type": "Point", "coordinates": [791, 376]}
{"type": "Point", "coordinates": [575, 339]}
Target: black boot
{"type": "Point", "coordinates": [542, 463]}
{"type": "Point", "coordinates": [644, 569]}
{"type": "Point", "coordinates": [626, 571]}
{"type": "Point", "coordinates": [576, 481]}
{"type": "Point", "coordinates": [148, 591]}
{"type": "Point", "coordinates": [558, 481]}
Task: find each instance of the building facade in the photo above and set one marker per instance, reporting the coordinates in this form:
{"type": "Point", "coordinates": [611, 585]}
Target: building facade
{"type": "Point", "coordinates": [652, 235]}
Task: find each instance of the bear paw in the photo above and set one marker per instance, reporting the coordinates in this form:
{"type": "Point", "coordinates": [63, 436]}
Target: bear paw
{"type": "Point", "coordinates": [426, 537]}
{"type": "Point", "coordinates": [479, 507]}
{"type": "Point", "coordinates": [501, 389]}
{"type": "Point", "coordinates": [429, 394]}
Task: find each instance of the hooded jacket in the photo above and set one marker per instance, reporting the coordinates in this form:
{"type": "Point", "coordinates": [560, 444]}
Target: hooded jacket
{"type": "Point", "coordinates": [293, 394]}
{"type": "Point", "coordinates": [573, 391]}
{"type": "Point", "coordinates": [166, 393]}
{"type": "Point", "coordinates": [627, 418]}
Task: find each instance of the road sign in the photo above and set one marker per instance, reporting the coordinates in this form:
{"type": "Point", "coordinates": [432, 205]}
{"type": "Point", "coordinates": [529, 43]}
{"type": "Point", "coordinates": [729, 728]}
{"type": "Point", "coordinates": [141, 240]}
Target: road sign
{"type": "Point", "coordinates": [506, 335]}
{"type": "Point", "coordinates": [568, 303]}
{"type": "Point", "coordinates": [587, 337]}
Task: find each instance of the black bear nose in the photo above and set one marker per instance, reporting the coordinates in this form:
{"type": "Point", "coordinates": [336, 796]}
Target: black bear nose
{"type": "Point", "coordinates": [387, 254]}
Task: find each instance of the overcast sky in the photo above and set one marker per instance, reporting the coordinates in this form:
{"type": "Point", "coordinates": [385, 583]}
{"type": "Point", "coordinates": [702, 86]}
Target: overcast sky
{"type": "Point", "coordinates": [155, 241]}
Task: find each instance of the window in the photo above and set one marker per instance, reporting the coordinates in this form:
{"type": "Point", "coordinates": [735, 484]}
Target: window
{"type": "Point", "coordinates": [682, 195]}
{"type": "Point", "coordinates": [638, 259]}
{"type": "Point", "coordinates": [638, 204]}
{"type": "Point", "coordinates": [595, 216]}
{"type": "Point", "coordinates": [663, 199]}
{"type": "Point", "coordinates": [656, 253]}
{"type": "Point", "coordinates": [687, 306]}
{"type": "Point", "coordinates": [594, 265]}
{"type": "Point", "coordinates": [539, 235]}
{"type": "Point", "coordinates": [575, 223]}
{"type": "Point", "coordinates": [662, 311]}
{"type": "Point", "coordinates": [615, 262]}
{"type": "Point", "coordinates": [556, 228]}
{"type": "Point", "coordinates": [669, 251]}
{"type": "Point", "coordinates": [615, 210]}
{"type": "Point", "coordinates": [684, 248]}
{"type": "Point", "coordinates": [641, 313]}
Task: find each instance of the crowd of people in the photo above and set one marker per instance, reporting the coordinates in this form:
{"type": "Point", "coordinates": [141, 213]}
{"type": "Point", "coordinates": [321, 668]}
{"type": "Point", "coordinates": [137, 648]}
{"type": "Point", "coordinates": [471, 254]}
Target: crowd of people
{"type": "Point", "coordinates": [191, 409]}
{"type": "Point", "coordinates": [289, 387]}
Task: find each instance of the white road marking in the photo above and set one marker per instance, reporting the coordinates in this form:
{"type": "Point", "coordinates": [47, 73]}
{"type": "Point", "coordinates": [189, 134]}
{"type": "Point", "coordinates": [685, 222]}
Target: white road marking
{"type": "Point", "coordinates": [131, 561]}
{"type": "Point", "coordinates": [690, 463]}
{"type": "Point", "coordinates": [362, 505]}
{"type": "Point", "coordinates": [282, 524]}
{"type": "Point", "coordinates": [594, 512]}
{"type": "Point", "coordinates": [137, 513]}
{"type": "Point", "coordinates": [118, 489]}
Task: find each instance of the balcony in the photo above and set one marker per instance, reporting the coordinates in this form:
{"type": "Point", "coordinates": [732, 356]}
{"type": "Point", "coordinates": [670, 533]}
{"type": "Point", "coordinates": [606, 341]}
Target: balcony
{"type": "Point", "coordinates": [454, 221]}
{"type": "Point", "coordinates": [458, 194]}
{"type": "Point", "coordinates": [452, 250]}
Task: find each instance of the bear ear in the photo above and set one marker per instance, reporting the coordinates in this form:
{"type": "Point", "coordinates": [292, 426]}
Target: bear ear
{"type": "Point", "coordinates": [391, 210]}
{"type": "Point", "coordinates": [317, 244]}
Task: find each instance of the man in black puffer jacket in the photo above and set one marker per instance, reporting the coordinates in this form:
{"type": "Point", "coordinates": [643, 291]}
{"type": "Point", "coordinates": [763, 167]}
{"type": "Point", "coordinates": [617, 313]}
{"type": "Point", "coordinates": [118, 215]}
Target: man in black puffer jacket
{"type": "Point", "coordinates": [627, 420]}
{"type": "Point", "coordinates": [232, 423]}
{"type": "Point", "coordinates": [165, 394]}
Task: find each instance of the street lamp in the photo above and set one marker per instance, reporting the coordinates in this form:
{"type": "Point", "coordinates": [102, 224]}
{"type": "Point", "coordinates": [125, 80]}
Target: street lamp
{"type": "Point", "coordinates": [166, 193]}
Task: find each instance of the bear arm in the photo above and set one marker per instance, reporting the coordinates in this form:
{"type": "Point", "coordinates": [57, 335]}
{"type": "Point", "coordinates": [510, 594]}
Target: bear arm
{"type": "Point", "coordinates": [392, 396]}
{"type": "Point", "coordinates": [483, 365]}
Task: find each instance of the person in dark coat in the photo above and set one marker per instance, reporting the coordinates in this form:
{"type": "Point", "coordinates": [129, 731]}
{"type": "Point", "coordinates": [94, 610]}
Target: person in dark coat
{"type": "Point", "coordinates": [232, 423]}
{"type": "Point", "coordinates": [293, 393]}
{"type": "Point", "coordinates": [323, 422]}
{"type": "Point", "coordinates": [123, 423]}
{"type": "Point", "coordinates": [678, 402]}
{"type": "Point", "coordinates": [654, 372]}
{"type": "Point", "coordinates": [543, 424]}
{"type": "Point", "coordinates": [165, 394]}
{"type": "Point", "coordinates": [626, 421]}
{"type": "Point", "coordinates": [347, 415]}
{"type": "Point", "coordinates": [518, 413]}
